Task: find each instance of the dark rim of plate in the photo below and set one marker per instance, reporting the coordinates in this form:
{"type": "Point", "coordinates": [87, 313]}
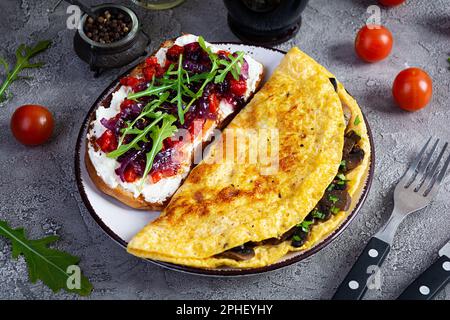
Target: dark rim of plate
{"type": "Point", "coordinates": [218, 272]}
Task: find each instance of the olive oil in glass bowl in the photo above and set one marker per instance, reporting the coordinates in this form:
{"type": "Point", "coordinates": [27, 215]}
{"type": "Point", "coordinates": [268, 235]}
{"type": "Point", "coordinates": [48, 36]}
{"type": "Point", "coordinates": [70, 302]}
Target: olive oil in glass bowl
{"type": "Point", "coordinates": [157, 4]}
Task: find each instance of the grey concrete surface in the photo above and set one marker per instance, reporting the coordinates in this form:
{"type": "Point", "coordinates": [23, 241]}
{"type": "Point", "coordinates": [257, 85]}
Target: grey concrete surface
{"type": "Point", "coordinates": [38, 190]}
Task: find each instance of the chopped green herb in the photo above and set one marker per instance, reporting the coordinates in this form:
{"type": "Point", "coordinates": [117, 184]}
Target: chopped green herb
{"type": "Point", "coordinates": [333, 198]}
{"type": "Point", "coordinates": [343, 165]}
{"type": "Point", "coordinates": [331, 187]}
{"type": "Point", "coordinates": [304, 225]}
{"type": "Point", "coordinates": [357, 121]}
{"type": "Point", "coordinates": [341, 182]}
{"type": "Point", "coordinates": [318, 214]}
{"type": "Point", "coordinates": [296, 238]}
{"type": "Point", "coordinates": [341, 177]}
{"type": "Point", "coordinates": [335, 210]}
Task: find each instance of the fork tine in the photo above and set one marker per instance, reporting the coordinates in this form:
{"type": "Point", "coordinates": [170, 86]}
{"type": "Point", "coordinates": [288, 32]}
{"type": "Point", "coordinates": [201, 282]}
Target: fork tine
{"type": "Point", "coordinates": [413, 167]}
{"type": "Point", "coordinates": [424, 166]}
{"type": "Point", "coordinates": [423, 171]}
{"type": "Point", "coordinates": [430, 174]}
{"type": "Point", "coordinates": [437, 182]}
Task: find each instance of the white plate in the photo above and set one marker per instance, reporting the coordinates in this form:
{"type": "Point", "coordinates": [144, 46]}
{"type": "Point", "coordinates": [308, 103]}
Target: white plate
{"type": "Point", "coordinates": [122, 222]}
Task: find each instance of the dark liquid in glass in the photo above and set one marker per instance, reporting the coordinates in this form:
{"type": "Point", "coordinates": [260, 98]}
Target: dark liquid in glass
{"type": "Point", "coordinates": [265, 21]}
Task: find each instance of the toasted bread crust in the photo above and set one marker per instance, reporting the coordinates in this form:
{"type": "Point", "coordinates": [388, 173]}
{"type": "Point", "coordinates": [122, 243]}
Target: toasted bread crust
{"type": "Point", "coordinates": [121, 194]}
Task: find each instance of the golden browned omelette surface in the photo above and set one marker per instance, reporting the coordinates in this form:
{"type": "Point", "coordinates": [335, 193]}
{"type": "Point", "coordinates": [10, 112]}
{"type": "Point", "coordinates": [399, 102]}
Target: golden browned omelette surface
{"type": "Point", "coordinates": [226, 204]}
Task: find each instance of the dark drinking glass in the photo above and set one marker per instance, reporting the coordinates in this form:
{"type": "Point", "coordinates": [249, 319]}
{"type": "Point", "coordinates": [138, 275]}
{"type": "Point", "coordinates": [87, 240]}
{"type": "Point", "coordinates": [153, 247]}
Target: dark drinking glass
{"type": "Point", "coordinates": [265, 21]}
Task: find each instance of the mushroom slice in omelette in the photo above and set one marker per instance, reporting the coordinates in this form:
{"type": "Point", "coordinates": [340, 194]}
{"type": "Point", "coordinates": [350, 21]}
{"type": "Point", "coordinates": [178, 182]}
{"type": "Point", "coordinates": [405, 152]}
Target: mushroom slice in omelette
{"type": "Point", "coordinates": [238, 213]}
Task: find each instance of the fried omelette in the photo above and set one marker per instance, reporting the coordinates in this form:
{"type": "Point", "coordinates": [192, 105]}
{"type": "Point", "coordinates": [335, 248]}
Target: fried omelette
{"type": "Point", "coordinates": [232, 213]}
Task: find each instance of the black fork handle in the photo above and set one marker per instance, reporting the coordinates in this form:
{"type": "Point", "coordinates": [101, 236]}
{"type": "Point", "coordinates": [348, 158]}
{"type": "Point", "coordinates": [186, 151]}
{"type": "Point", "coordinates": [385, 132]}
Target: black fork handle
{"type": "Point", "coordinates": [355, 283]}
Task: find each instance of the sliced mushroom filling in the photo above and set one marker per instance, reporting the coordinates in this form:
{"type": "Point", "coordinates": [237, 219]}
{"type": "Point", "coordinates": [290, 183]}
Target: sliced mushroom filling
{"type": "Point", "coordinates": [335, 199]}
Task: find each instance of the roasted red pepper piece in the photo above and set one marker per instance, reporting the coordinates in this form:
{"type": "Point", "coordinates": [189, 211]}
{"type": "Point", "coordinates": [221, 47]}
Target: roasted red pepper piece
{"type": "Point", "coordinates": [130, 175]}
{"type": "Point", "coordinates": [214, 101]}
{"type": "Point", "coordinates": [126, 104]}
{"type": "Point", "coordinates": [158, 175]}
{"type": "Point", "coordinates": [173, 53]}
{"type": "Point", "coordinates": [238, 87]}
{"type": "Point", "coordinates": [107, 142]}
{"type": "Point", "coordinates": [129, 81]}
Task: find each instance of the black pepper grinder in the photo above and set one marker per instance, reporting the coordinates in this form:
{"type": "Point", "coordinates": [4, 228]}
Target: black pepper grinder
{"type": "Point", "coordinates": [267, 22]}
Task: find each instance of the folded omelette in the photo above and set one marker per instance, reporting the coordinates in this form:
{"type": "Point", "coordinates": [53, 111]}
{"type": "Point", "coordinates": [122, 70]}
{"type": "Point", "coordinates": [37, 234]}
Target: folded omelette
{"type": "Point", "coordinates": [233, 213]}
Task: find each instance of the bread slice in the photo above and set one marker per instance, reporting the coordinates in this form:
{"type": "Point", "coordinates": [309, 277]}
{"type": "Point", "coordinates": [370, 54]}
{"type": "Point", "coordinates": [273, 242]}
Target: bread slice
{"type": "Point", "coordinates": [118, 191]}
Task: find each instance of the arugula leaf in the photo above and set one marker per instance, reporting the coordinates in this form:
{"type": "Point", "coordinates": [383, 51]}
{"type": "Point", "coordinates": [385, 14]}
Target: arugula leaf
{"type": "Point", "coordinates": [202, 43]}
{"type": "Point", "coordinates": [148, 111]}
{"type": "Point", "coordinates": [49, 265]}
{"type": "Point", "coordinates": [141, 136]}
{"type": "Point", "coordinates": [152, 90]}
{"type": "Point", "coordinates": [158, 135]}
{"type": "Point", "coordinates": [179, 97]}
{"type": "Point", "coordinates": [230, 66]}
{"type": "Point", "coordinates": [23, 56]}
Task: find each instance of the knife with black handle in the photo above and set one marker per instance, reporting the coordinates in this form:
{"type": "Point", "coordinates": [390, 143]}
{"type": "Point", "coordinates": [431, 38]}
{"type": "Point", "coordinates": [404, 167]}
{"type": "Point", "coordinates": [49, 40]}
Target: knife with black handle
{"type": "Point", "coordinates": [415, 190]}
{"type": "Point", "coordinates": [432, 280]}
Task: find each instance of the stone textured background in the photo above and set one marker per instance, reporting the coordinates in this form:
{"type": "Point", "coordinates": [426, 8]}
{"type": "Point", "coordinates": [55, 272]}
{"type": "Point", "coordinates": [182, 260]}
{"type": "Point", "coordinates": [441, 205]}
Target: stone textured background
{"type": "Point", "coordinates": [38, 190]}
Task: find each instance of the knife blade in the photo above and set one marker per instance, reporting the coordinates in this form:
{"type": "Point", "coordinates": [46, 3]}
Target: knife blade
{"type": "Point", "coordinates": [445, 250]}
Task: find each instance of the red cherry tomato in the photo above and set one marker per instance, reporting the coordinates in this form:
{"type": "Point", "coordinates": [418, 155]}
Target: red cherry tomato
{"type": "Point", "coordinates": [412, 89]}
{"type": "Point", "coordinates": [391, 3]}
{"type": "Point", "coordinates": [373, 43]}
{"type": "Point", "coordinates": [32, 124]}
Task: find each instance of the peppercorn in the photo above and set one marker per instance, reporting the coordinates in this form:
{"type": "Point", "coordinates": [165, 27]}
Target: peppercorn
{"type": "Point", "coordinates": [110, 26]}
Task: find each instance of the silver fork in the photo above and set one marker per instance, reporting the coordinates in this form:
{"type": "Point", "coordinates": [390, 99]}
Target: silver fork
{"type": "Point", "coordinates": [415, 190]}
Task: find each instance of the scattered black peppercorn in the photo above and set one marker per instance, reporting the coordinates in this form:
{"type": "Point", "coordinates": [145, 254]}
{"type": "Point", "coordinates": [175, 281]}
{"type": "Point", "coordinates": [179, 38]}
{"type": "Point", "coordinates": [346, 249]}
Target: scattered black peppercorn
{"type": "Point", "coordinates": [109, 27]}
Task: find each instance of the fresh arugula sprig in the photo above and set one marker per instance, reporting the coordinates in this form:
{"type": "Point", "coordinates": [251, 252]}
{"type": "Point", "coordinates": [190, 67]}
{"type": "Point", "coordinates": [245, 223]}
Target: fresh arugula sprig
{"type": "Point", "coordinates": [158, 135]}
{"type": "Point", "coordinates": [148, 111]}
{"type": "Point", "coordinates": [23, 55]}
{"type": "Point", "coordinates": [179, 89]}
{"type": "Point", "coordinates": [152, 90]}
{"type": "Point", "coordinates": [232, 66]}
{"type": "Point", "coordinates": [173, 83]}
{"type": "Point", "coordinates": [46, 264]}
{"type": "Point", "coordinates": [178, 80]}
{"type": "Point", "coordinates": [141, 135]}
